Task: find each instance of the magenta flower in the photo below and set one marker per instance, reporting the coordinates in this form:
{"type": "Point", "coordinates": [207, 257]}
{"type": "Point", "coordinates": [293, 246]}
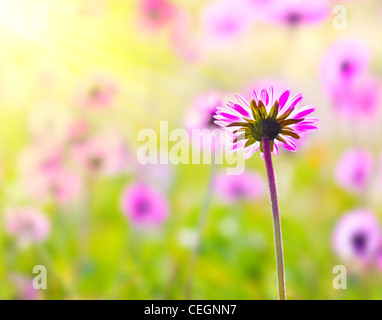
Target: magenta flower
{"type": "Point", "coordinates": [225, 19]}
{"type": "Point", "coordinates": [344, 63]}
{"type": "Point", "coordinates": [234, 188]}
{"type": "Point", "coordinates": [354, 170]}
{"type": "Point", "coordinates": [357, 237]}
{"type": "Point", "coordinates": [155, 14]}
{"type": "Point", "coordinates": [144, 205]}
{"type": "Point", "coordinates": [97, 92]}
{"type": "Point", "coordinates": [281, 119]}
{"type": "Point", "coordinates": [27, 224]}
{"type": "Point", "coordinates": [297, 12]}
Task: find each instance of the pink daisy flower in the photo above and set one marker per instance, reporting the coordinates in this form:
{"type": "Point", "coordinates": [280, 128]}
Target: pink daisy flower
{"type": "Point", "coordinates": [248, 186]}
{"type": "Point", "coordinates": [297, 12]}
{"type": "Point", "coordinates": [27, 224]}
{"type": "Point", "coordinates": [155, 14]}
{"type": "Point", "coordinates": [225, 19]}
{"type": "Point", "coordinates": [354, 170]}
{"type": "Point", "coordinates": [360, 100]}
{"type": "Point", "coordinates": [105, 154]}
{"type": "Point", "coordinates": [357, 237]}
{"type": "Point", "coordinates": [282, 119]}
{"type": "Point", "coordinates": [96, 92]}
{"type": "Point", "coordinates": [345, 62]}
{"type": "Point", "coordinates": [144, 205]}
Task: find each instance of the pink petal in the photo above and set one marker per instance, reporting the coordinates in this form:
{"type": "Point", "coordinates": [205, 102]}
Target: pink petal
{"type": "Point", "coordinates": [264, 97]}
{"type": "Point", "coordinates": [295, 100]}
{"type": "Point", "coordinates": [304, 112]}
{"type": "Point", "coordinates": [241, 110]}
{"type": "Point", "coordinates": [283, 98]}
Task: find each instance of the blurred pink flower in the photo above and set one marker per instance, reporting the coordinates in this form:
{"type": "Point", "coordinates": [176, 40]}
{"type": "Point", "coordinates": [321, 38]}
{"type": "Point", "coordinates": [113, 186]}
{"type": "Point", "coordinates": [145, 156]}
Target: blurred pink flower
{"type": "Point", "coordinates": [144, 205]}
{"type": "Point", "coordinates": [346, 61]}
{"type": "Point", "coordinates": [248, 186]}
{"type": "Point", "coordinates": [357, 237]}
{"type": "Point", "coordinates": [27, 224]}
{"type": "Point", "coordinates": [360, 100]}
{"type": "Point", "coordinates": [40, 159]}
{"type": "Point", "coordinates": [155, 14]}
{"type": "Point", "coordinates": [354, 170]}
{"type": "Point", "coordinates": [225, 19]}
{"type": "Point", "coordinates": [200, 115]}
{"type": "Point", "coordinates": [45, 176]}
{"type": "Point", "coordinates": [184, 42]}
{"type": "Point", "coordinates": [296, 12]}
{"type": "Point", "coordinates": [78, 131]}
{"type": "Point", "coordinates": [97, 92]}
{"type": "Point", "coordinates": [106, 154]}
{"type": "Point", "coordinates": [24, 288]}
{"type": "Point", "coordinates": [60, 185]}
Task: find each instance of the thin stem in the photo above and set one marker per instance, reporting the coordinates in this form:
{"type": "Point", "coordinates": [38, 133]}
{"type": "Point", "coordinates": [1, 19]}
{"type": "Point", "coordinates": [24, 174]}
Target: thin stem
{"type": "Point", "coordinates": [201, 223]}
{"type": "Point", "coordinates": [276, 219]}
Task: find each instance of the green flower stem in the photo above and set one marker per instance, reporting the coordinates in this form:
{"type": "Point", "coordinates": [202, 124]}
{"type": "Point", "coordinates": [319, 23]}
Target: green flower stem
{"type": "Point", "coordinates": [276, 219]}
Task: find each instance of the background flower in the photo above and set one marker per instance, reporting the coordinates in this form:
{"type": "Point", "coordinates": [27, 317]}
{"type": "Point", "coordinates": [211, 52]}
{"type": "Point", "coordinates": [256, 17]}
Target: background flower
{"type": "Point", "coordinates": [357, 236]}
{"type": "Point", "coordinates": [144, 206]}
{"type": "Point", "coordinates": [354, 170]}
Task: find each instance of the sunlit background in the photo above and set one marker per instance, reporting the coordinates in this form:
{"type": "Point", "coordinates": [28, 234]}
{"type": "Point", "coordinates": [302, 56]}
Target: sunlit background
{"type": "Point", "coordinates": [80, 79]}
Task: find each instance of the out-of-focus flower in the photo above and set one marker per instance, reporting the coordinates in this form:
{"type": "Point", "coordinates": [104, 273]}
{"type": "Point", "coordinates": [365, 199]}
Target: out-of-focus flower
{"type": "Point", "coordinates": [345, 62]}
{"type": "Point", "coordinates": [200, 116]}
{"type": "Point", "coordinates": [155, 14]}
{"type": "Point", "coordinates": [359, 101]}
{"type": "Point", "coordinates": [144, 205]}
{"type": "Point", "coordinates": [357, 237]}
{"type": "Point", "coordinates": [60, 185]}
{"type": "Point", "coordinates": [106, 154]}
{"type": "Point", "coordinates": [45, 176]}
{"type": "Point", "coordinates": [40, 158]}
{"type": "Point", "coordinates": [354, 170]}
{"type": "Point", "coordinates": [185, 43]}
{"type": "Point", "coordinates": [297, 12]}
{"type": "Point", "coordinates": [248, 186]}
{"type": "Point", "coordinates": [78, 131]}
{"type": "Point", "coordinates": [378, 260]}
{"type": "Point", "coordinates": [225, 19]}
{"type": "Point", "coordinates": [280, 118]}
{"type": "Point", "coordinates": [97, 92]}
{"type": "Point", "coordinates": [27, 224]}
{"type": "Point", "coordinates": [24, 288]}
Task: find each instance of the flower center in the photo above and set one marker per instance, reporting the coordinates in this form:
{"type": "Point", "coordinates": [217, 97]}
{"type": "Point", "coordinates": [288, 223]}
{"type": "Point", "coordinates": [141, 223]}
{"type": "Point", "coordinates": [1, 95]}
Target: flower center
{"type": "Point", "coordinates": [294, 18]}
{"type": "Point", "coordinates": [268, 127]}
{"type": "Point", "coordinates": [142, 207]}
{"type": "Point", "coordinates": [359, 243]}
